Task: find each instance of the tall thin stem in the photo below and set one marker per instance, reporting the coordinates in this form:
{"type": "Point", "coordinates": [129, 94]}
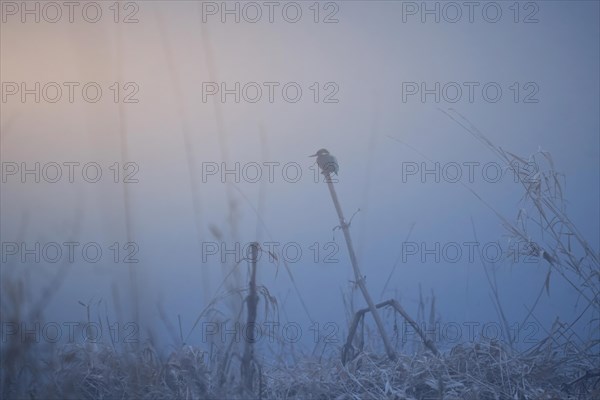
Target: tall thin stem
{"type": "Point", "coordinates": [247, 370]}
{"type": "Point", "coordinates": [357, 274]}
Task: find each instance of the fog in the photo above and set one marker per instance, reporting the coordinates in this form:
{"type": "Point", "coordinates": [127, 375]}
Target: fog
{"type": "Point", "coordinates": [202, 132]}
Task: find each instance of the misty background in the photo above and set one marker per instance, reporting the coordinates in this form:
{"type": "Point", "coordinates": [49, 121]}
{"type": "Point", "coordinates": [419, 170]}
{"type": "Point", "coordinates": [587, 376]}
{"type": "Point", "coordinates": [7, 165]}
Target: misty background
{"type": "Point", "coordinates": [171, 134]}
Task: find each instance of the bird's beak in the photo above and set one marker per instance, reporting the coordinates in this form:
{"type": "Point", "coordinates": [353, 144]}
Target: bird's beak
{"type": "Point", "coordinates": [314, 155]}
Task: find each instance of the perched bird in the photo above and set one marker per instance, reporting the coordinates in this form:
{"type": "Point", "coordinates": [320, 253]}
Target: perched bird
{"type": "Point", "coordinates": [326, 162]}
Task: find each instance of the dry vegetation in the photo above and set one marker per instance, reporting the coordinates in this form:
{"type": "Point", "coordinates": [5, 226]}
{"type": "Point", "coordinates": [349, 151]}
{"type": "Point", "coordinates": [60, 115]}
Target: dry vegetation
{"type": "Point", "coordinates": [483, 370]}
{"type": "Point", "coordinates": [558, 367]}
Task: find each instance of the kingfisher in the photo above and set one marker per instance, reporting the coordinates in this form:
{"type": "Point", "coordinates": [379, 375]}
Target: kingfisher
{"type": "Point", "coordinates": [326, 162]}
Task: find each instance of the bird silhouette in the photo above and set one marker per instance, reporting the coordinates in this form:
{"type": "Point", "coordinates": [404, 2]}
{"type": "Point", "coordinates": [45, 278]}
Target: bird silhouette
{"type": "Point", "coordinates": [326, 162]}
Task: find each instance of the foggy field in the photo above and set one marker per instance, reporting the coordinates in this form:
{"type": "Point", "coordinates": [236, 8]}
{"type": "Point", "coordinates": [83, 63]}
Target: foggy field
{"type": "Point", "coordinates": [300, 200]}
